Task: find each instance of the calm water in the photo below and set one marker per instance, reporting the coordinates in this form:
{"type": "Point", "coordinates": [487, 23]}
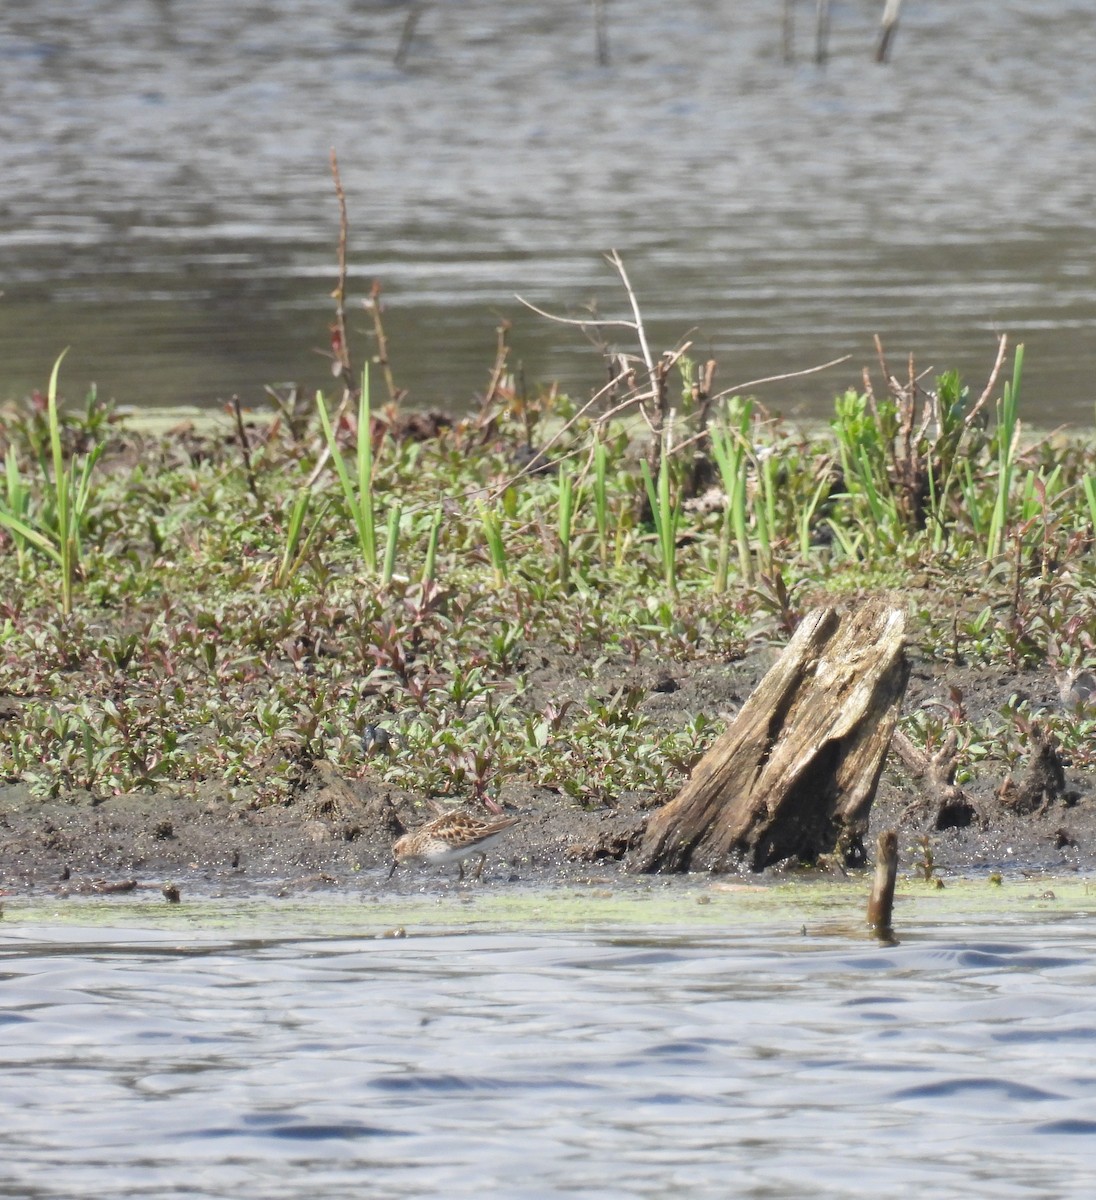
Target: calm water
{"type": "Point", "coordinates": [608, 1063]}
{"type": "Point", "coordinates": [166, 207]}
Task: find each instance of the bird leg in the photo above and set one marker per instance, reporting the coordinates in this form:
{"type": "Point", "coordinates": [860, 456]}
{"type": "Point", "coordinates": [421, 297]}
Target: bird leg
{"type": "Point", "coordinates": [479, 869]}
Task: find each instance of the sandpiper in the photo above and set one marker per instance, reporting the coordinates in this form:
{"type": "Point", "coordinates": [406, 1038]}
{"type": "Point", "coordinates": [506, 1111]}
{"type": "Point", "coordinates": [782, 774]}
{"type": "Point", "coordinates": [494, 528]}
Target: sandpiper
{"type": "Point", "coordinates": [452, 837]}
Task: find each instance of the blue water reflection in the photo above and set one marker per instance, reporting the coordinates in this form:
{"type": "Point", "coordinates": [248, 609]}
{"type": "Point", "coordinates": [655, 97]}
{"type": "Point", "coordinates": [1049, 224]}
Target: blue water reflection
{"type": "Point", "coordinates": [580, 1064]}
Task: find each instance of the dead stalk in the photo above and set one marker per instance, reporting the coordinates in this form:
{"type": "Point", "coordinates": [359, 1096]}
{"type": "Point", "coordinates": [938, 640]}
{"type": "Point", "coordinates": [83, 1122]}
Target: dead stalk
{"type": "Point", "coordinates": [560, 433]}
{"type": "Point", "coordinates": [373, 304]}
{"type": "Point", "coordinates": [498, 369]}
{"type": "Point", "coordinates": [752, 383]}
{"type": "Point", "coordinates": [245, 447]}
{"type": "Point", "coordinates": [614, 258]}
{"type": "Point", "coordinates": [339, 344]}
{"type": "Point", "coordinates": [991, 383]}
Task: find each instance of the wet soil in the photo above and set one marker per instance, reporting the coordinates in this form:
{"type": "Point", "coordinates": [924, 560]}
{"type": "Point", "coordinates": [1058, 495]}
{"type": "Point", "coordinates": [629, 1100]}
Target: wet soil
{"type": "Point", "coordinates": [338, 829]}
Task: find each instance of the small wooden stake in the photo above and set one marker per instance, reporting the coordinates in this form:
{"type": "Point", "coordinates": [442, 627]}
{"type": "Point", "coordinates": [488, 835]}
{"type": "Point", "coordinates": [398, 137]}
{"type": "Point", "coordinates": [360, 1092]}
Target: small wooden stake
{"type": "Point", "coordinates": [881, 900]}
{"type": "Point", "coordinates": [796, 772]}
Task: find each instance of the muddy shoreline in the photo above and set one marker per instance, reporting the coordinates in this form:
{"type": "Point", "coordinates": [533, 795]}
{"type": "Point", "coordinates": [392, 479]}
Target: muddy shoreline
{"type": "Point", "coordinates": [337, 829]}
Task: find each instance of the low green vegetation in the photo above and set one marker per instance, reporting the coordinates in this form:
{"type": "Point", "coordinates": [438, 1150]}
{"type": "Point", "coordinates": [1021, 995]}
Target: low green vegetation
{"type": "Point", "coordinates": [189, 608]}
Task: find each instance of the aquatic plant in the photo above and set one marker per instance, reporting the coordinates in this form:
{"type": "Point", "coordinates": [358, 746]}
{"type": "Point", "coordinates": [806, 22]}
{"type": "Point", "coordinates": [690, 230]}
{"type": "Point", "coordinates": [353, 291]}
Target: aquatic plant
{"type": "Point", "coordinates": [357, 491]}
{"type": "Point", "coordinates": [59, 526]}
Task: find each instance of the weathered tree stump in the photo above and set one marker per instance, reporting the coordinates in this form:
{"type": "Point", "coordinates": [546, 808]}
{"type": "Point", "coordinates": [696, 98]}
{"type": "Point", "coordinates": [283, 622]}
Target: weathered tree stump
{"type": "Point", "coordinates": [795, 773]}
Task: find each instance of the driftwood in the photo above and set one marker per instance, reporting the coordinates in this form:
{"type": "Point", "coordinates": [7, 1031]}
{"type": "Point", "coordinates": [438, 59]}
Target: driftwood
{"type": "Point", "coordinates": [796, 772]}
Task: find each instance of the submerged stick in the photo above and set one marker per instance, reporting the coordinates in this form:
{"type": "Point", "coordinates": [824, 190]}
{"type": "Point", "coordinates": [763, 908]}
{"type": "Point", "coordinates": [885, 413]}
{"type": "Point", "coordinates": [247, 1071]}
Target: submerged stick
{"type": "Point", "coordinates": [881, 900]}
{"type": "Point", "coordinates": [788, 31]}
{"type": "Point", "coordinates": [407, 35]}
{"type": "Point", "coordinates": [890, 25]}
{"type": "Point", "coordinates": [821, 31]}
{"type": "Point", "coordinates": [601, 33]}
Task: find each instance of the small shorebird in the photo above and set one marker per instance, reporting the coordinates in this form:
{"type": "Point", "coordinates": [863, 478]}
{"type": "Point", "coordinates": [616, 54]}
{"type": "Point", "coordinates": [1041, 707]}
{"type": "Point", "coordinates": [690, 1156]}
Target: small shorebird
{"type": "Point", "coordinates": [452, 837]}
{"type": "Point", "coordinates": [1077, 689]}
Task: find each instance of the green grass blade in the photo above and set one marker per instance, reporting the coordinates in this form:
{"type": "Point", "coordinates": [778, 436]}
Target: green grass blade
{"type": "Point", "coordinates": [29, 534]}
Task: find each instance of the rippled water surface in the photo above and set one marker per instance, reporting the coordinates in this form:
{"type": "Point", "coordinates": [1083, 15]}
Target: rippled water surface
{"type": "Point", "coordinates": [166, 207]}
{"type": "Point", "coordinates": [707, 1060]}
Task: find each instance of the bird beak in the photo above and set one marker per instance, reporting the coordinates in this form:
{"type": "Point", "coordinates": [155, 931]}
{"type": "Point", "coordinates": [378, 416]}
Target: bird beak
{"type": "Point", "coordinates": [395, 864]}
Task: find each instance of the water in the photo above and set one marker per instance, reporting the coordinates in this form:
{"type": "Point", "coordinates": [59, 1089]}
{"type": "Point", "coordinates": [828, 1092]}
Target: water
{"type": "Point", "coordinates": [166, 206]}
{"type": "Point", "coordinates": [704, 1060]}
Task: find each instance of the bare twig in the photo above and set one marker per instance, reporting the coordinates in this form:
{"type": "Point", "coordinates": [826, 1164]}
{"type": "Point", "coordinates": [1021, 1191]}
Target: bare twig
{"type": "Point", "coordinates": [568, 425]}
{"type": "Point", "coordinates": [498, 370]}
{"type": "Point", "coordinates": [655, 374]}
{"type": "Point", "coordinates": [581, 322]}
{"type": "Point", "coordinates": [614, 258]}
{"type": "Point", "coordinates": [750, 383]}
{"type": "Point", "coordinates": [879, 353]}
{"type": "Point", "coordinates": [980, 403]}
{"type": "Point", "coordinates": [653, 400]}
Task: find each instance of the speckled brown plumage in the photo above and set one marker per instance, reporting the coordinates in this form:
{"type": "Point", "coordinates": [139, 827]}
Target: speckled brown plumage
{"type": "Point", "coordinates": [452, 837]}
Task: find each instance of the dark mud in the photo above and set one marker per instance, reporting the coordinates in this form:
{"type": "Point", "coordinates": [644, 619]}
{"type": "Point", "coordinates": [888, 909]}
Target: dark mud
{"type": "Point", "coordinates": [337, 831]}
